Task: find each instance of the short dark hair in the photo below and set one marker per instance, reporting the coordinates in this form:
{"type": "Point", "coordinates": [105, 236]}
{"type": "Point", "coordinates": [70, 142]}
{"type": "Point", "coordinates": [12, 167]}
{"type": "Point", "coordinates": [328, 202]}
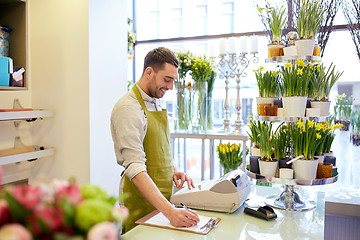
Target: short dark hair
{"type": "Point", "coordinates": [159, 56]}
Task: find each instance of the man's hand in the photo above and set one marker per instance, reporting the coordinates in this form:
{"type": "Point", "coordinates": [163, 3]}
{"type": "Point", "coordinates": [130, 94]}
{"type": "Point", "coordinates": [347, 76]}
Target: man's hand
{"type": "Point", "coordinates": [178, 175]}
{"type": "Point", "coordinates": [180, 217]}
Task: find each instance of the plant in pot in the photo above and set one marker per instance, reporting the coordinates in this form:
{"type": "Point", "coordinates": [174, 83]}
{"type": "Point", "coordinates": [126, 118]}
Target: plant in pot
{"type": "Point", "coordinates": [307, 24]}
{"type": "Point", "coordinates": [230, 156]}
{"type": "Point", "coordinates": [276, 19]}
{"type": "Point", "coordinates": [281, 141]}
{"type": "Point", "coordinates": [355, 127]}
{"type": "Point", "coordinates": [326, 78]}
{"type": "Point", "coordinates": [267, 164]}
{"type": "Point", "coordinates": [294, 88]}
{"type": "Point", "coordinates": [305, 141]}
{"type": "Point", "coordinates": [182, 121]}
{"type": "Point", "coordinates": [342, 110]}
{"type": "Point", "coordinates": [254, 127]}
{"type": "Point", "coordinates": [268, 84]}
{"type": "Point", "coordinates": [328, 138]}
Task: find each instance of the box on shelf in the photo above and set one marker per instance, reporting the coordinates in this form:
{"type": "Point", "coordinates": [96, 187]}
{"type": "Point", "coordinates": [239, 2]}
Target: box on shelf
{"type": "Point", "coordinates": [6, 68]}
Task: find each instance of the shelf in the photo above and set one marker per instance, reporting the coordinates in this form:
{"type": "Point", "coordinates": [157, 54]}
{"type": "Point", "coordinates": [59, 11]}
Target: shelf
{"type": "Point", "coordinates": [25, 115]}
{"type": "Point", "coordinates": [27, 156]}
{"type": "Point", "coordinates": [293, 59]}
{"type": "Point", "coordinates": [12, 88]}
{"type": "Point", "coordinates": [290, 119]}
{"type": "Point", "coordinates": [210, 135]}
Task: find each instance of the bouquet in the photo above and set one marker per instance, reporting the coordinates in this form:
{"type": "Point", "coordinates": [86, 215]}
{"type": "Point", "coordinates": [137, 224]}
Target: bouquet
{"type": "Point", "coordinates": [59, 210]}
{"type": "Point", "coordinates": [230, 156]}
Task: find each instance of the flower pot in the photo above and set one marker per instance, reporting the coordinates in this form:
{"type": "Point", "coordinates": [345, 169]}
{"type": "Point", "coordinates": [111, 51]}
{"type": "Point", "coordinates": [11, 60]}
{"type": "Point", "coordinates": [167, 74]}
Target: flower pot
{"type": "Point", "coordinates": [290, 51]}
{"type": "Point", "coordinates": [254, 164]}
{"type": "Point", "coordinates": [262, 102]}
{"type": "Point", "coordinates": [308, 102]}
{"type": "Point", "coordinates": [312, 112]}
{"type": "Point", "coordinates": [330, 159]}
{"type": "Point", "coordinates": [271, 110]}
{"type": "Point", "coordinates": [268, 169]}
{"type": "Point", "coordinates": [305, 47]}
{"type": "Point", "coordinates": [324, 170]}
{"type": "Point", "coordinates": [305, 169]}
{"type": "Point", "coordinates": [283, 163]}
{"type": "Point", "coordinates": [294, 106]}
{"type": "Point", "coordinates": [278, 102]}
{"type": "Point", "coordinates": [255, 151]}
{"type": "Point", "coordinates": [324, 107]}
{"type": "Point", "coordinates": [275, 49]}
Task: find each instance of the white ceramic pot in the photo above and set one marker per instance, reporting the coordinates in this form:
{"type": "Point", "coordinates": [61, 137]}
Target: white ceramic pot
{"type": "Point", "coordinates": [312, 112]}
{"type": "Point", "coordinates": [305, 169]}
{"type": "Point", "coordinates": [265, 100]}
{"type": "Point", "coordinates": [290, 51]}
{"type": "Point", "coordinates": [268, 169]}
{"type": "Point", "coordinates": [294, 106]}
{"type": "Point", "coordinates": [255, 152]}
{"type": "Point", "coordinates": [324, 107]}
{"type": "Point", "coordinates": [305, 47]}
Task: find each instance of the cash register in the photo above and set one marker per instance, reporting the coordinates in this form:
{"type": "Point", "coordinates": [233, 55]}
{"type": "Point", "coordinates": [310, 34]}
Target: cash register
{"type": "Point", "coordinates": [225, 194]}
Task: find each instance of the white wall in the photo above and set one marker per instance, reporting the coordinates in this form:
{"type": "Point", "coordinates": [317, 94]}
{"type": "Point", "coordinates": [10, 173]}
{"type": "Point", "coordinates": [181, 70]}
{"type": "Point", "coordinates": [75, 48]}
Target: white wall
{"type": "Point", "coordinates": [108, 82]}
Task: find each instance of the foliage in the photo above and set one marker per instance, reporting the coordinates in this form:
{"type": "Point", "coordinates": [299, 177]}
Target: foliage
{"type": "Point", "coordinates": [296, 79]}
{"type": "Point", "coordinates": [55, 209]}
{"type": "Point", "coordinates": [276, 19]}
{"type": "Point", "coordinates": [355, 122]}
{"type": "Point", "coordinates": [185, 63]}
{"type": "Point", "coordinates": [130, 39]}
{"type": "Point", "coordinates": [254, 127]}
{"type": "Point", "coordinates": [268, 82]}
{"type": "Point", "coordinates": [309, 18]}
{"type": "Point", "coordinates": [281, 141]}
{"type": "Point", "coordinates": [230, 155]}
{"type": "Point", "coordinates": [343, 107]}
{"type": "Point", "coordinates": [329, 134]}
{"type": "Point", "coordinates": [305, 138]}
{"type": "Point", "coordinates": [202, 69]}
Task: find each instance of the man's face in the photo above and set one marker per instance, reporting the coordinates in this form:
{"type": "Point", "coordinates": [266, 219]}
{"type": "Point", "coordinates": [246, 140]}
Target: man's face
{"type": "Point", "coordinates": [162, 80]}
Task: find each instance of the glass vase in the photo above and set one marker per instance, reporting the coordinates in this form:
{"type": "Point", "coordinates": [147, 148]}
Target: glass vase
{"type": "Point", "coordinates": [198, 106]}
{"type": "Point", "coordinates": [209, 112]}
{"type": "Point", "coordinates": [182, 107]}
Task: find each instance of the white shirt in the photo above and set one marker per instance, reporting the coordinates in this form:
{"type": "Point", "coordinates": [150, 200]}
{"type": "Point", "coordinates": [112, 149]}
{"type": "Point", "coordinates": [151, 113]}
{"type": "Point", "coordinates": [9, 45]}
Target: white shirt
{"type": "Point", "coordinates": [128, 130]}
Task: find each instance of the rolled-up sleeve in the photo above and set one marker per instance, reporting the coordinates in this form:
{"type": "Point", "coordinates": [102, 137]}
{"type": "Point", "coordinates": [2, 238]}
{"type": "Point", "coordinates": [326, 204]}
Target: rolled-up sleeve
{"type": "Point", "coordinates": [128, 129]}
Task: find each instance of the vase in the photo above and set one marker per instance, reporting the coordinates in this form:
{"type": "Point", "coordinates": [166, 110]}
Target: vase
{"type": "Point", "coordinates": [304, 47]}
{"type": "Point", "coordinates": [254, 164]}
{"type": "Point", "coordinates": [275, 49]}
{"type": "Point", "coordinates": [294, 106]}
{"type": "Point", "coordinates": [262, 103]}
{"type": "Point", "coordinates": [324, 107]}
{"type": "Point", "coordinates": [181, 122]}
{"type": "Point", "coordinates": [198, 107]}
{"type": "Point", "coordinates": [268, 168]}
{"type": "Point", "coordinates": [305, 169]}
{"type": "Point", "coordinates": [209, 111]}
{"type": "Point", "coordinates": [317, 50]}
{"type": "Point", "coordinates": [229, 169]}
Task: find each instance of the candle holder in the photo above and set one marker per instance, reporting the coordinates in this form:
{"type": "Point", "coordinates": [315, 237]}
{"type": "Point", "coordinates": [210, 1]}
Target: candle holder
{"type": "Point", "coordinates": [233, 66]}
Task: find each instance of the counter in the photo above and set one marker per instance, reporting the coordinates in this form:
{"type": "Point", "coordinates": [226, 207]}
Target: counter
{"type": "Point", "coordinates": [237, 225]}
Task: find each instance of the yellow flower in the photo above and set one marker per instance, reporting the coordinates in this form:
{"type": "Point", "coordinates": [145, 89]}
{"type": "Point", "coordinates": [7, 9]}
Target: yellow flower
{"type": "Point", "coordinates": [300, 63]}
{"type": "Point", "coordinates": [318, 127]}
{"type": "Point", "coordinates": [318, 67]}
{"type": "Point", "coordinates": [312, 67]}
{"type": "Point", "coordinates": [227, 148]}
{"type": "Point", "coordinates": [249, 117]}
{"type": "Point", "coordinates": [273, 73]}
{"type": "Point", "coordinates": [261, 68]}
{"type": "Point", "coordinates": [311, 124]}
{"type": "Point", "coordinates": [260, 9]}
{"type": "Point", "coordinates": [299, 72]}
{"type": "Point", "coordinates": [318, 136]}
{"type": "Point", "coordinates": [288, 65]}
{"type": "Point", "coordinates": [300, 124]}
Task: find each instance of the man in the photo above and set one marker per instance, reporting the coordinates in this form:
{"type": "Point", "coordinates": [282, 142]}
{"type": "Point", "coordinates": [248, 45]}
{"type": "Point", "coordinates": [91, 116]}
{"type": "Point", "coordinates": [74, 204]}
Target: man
{"type": "Point", "coordinates": [140, 133]}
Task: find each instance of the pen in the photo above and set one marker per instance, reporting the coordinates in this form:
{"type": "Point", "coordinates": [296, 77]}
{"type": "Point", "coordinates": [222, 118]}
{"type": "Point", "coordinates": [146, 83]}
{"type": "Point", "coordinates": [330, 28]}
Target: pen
{"type": "Point", "coordinates": [183, 205]}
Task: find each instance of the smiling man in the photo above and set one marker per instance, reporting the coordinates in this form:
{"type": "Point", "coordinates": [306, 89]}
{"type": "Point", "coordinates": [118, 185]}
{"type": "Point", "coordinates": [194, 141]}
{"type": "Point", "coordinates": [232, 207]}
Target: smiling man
{"type": "Point", "coordinates": [140, 132]}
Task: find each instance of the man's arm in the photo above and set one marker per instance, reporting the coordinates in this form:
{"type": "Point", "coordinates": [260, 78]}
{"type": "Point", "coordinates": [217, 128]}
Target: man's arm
{"type": "Point", "coordinates": [178, 217]}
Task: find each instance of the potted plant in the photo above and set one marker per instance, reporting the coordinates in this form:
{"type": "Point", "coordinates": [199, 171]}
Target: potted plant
{"type": "Point", "coordinates": [230, 156]}
{"type": "Point", "coordinates": [342, 110]}
{"type": "Point", "coordinates": [307, 25]}
{"type": "Point", "coordinates": [295, 87]}
{"type": "Point", "coordinates": [328, 138]}
{"type": "Point", "coordinates": [281, 141]}
{"type": "Point", "coordinates": [325, 80]}
{"type": "Point", "coordinates": [268, 84]}
{"type": "Point", "coordinates": [182, 121]}
{"type": "Point", "coordinates": [305, 141]}
{"type": "Point", "coordinates": [267, 164]}
{"type": "Point", "coordinates": [276, 19]}
{"type": "Point", "coordinates": [254, 127]}
{"type": "Point", "coordinates": [355, 127]}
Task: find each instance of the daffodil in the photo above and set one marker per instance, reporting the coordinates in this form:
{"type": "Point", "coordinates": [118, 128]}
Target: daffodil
{"type": "Point", "coordinates": [300, 62]}
{"type": "Point", "coordinates": [318, 136]}
{"type": "Point", "coordinates": [299, 72]}
{"type": "Point", "coordinates": [288, 65]}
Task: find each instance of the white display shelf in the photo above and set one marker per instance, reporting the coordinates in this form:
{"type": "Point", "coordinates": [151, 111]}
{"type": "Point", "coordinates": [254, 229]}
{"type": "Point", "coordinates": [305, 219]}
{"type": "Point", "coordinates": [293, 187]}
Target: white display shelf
{"type": "Point", "coordinates": [46, 152]}
{"type": "Point", "coordinates": [25, 115]}
{"type": "Point", "coordinates": [290, 119]}
{"type": "Point", "coordinates": [282, 59]}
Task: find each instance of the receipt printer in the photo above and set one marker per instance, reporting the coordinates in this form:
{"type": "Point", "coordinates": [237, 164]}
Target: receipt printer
{"type": "Point", "coordinates": [226, 194]}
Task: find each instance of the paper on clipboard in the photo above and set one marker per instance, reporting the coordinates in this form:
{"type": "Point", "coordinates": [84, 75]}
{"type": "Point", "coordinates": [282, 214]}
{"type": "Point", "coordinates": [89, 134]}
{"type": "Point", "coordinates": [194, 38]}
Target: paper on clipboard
{"type": "Point", "coordinates": [157, 219]}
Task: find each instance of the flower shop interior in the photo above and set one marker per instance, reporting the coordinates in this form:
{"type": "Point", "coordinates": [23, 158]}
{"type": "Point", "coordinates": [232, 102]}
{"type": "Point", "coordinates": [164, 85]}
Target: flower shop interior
{"type": "Point", "coordinates": [77, 58]}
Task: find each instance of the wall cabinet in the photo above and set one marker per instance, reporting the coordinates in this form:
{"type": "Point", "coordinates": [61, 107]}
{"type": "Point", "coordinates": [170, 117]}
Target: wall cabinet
{"type": "Point", "coordinates": [14, 14]}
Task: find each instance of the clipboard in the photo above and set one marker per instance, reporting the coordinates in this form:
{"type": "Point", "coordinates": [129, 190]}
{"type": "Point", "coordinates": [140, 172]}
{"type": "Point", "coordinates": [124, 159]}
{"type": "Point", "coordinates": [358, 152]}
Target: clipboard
{"type": "Point", "coordinates": [157, 219]}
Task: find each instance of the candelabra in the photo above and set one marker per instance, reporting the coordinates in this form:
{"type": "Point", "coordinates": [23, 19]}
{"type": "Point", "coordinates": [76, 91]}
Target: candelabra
{"type": "Point", "coordinates": [234, 66]}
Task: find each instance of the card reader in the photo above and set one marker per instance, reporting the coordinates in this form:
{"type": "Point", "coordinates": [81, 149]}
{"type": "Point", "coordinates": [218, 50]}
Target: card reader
{"type": "Point", "coordinates": [264, 212]}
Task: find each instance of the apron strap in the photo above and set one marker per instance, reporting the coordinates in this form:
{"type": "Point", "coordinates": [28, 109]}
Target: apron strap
{"type": "Point", "coordinates": [139, 98]}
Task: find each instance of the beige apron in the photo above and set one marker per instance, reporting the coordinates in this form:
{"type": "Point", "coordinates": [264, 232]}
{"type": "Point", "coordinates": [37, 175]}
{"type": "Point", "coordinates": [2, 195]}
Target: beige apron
{"type": "Point", "coordinates": [159, 164]}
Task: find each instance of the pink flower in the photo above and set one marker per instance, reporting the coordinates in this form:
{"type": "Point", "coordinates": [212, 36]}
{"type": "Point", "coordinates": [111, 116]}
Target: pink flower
{"type": "Point", "coordinates": [14, 231]}
{"type": "Point", "coordinates": [27, 195]}
{"type": "Point", "coordinates": [120, 213]}
{"type": "Point", "coordinates": [103, 231]}
{"type": "Point", "coordinates": [71, 193]}
{"type": "Point", "coordinates": [4, 212]}
{"type": "Point", "coordinates": [49, 217]}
